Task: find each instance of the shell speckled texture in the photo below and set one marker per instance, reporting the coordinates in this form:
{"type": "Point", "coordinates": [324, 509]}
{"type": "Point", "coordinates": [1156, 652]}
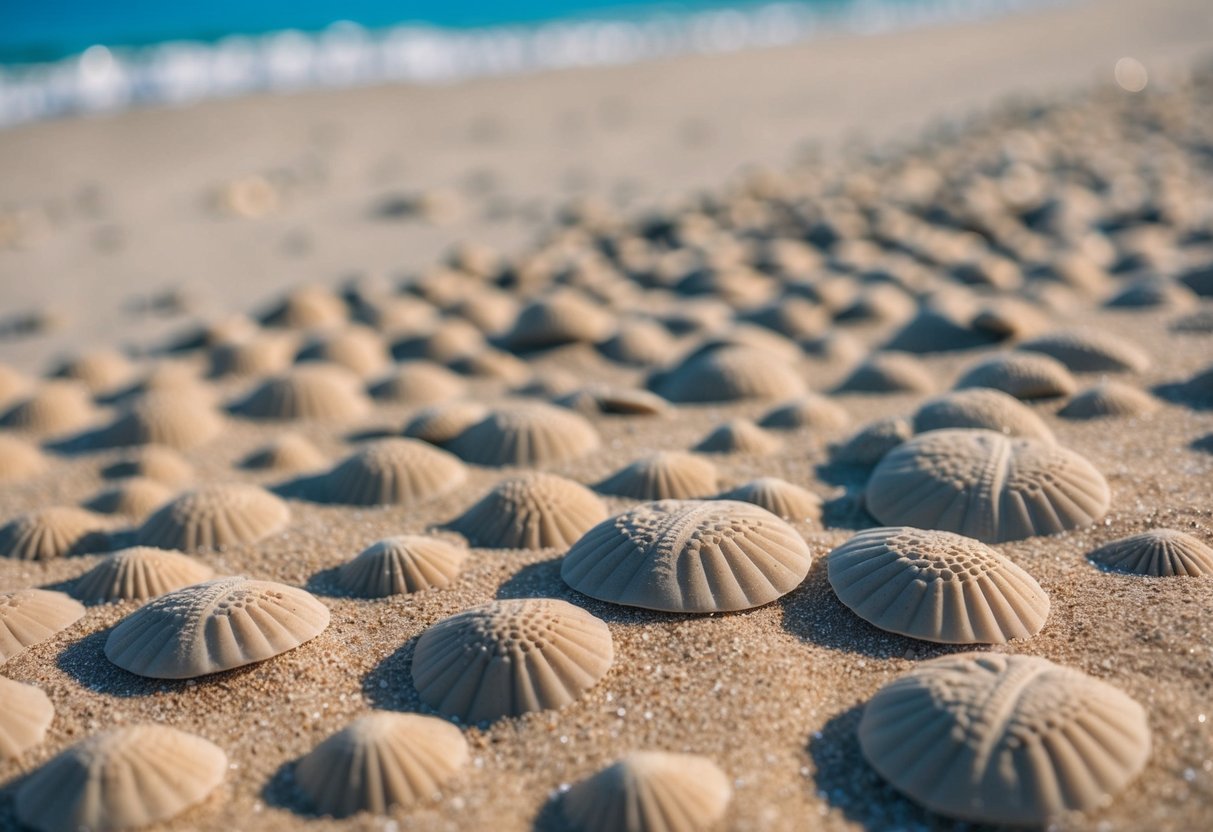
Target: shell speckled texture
{"type": "Point", "coordinates": [780, 497]}
{"type": "Point", "coordinates": [936, 586]}
{"type": "Point", "coordinates": [1090, 351]}
{"type": "Point", "coordinates": [214, 516]}
{"type": "Point", "coordinates": [984, 485]}
{"type": "Point", "coordinates": [214, 626]}
{"type": "Point", "coordinates": [689, 556]}
{"type": "Point", "coordinates": [729, 373]}
{"type": "Point", "coordinates": [393, 471]}
{"type": "Point", "coordinates": [400, 565]}
{"type": "Point", "coordinates": [53, 532]}
{"type": "Point", "coordinates": [1158, 552]}
{"type": "Point", "coordinates": [739, 436]}
{"type": "Point", "coordinates": [313, 392]}
{"type": "Point", "coordinates": [526, 434]}
{"type": "Point", "coordinates": [665, 475]}
{"type": "Point", "coordinates": [382, 760]}
{"type": "Point", "coordinates": [1109, 398]}
{"type": "Point", "coordinates": [1001, 739]}
{"type": "Point", "coordinates": [534, 511]}
{"type": "Point", "coordinates": [19, 460]}
{"type": "Point", "coordinates": [30, 616]}
{"type": "Point", "coordinates": [169, 419]}
{"type": "Point", "coordinates": [981, 408]}
{"type": "Point", "coordinates": [512, 657]}
{"type": "Point", "coordinates": [121, 779]}
{"type": "Point", "coordinates": [650, 791]}
{"type": "Point", "coordinates": [25, 714]}
{"type": "Point", "coordinates": [139, 573]}
{"type": "Point", "coordinates": [1024, 375]}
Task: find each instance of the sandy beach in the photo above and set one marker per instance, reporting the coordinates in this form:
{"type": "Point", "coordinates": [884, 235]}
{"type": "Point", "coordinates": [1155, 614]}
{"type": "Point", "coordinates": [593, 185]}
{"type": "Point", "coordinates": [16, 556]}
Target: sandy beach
{"type": "Point", "coordinates": [126, 231]}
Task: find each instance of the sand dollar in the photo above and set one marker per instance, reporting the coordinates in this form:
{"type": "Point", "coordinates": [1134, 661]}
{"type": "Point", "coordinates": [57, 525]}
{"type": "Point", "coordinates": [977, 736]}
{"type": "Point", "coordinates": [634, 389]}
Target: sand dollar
{"type": "Point", "coordinates": [534, 511]}
{"type": "Point", "coordinates": [214, 516]}
{"type": "Point", "coordinates": [400, 565]}
{"type": "Point", "coordinates": [1158, 552]}
{"type": "Point", "coordinates": [689, 556]}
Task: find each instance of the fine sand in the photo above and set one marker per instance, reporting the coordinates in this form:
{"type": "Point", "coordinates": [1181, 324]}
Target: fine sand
{"type": "Point", "coordinates": [117, 210]}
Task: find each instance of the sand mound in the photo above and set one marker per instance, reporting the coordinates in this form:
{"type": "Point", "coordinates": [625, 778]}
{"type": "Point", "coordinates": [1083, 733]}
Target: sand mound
{"type": "Point", "coordinates": [811, 411]}
{"type": "Point", "coordinates": [535, 511]}
{"type": "Point", "coordinates": [288, 453]}
{"type": "Point", "coordinates": [308, 307]}
{"type": "Point", "coordinates": [419, 383]}
{"type": "Point", "coordinates": [169, 419]}
{"type": "Point", "coordinates": [360, 350]}
{"type": "Point", "coordinates": [603, 399]}
{"type": "Point", "coordinates": [400, 565]}
{"type": "Point", "coordinates": [439, 424]}
{"type": "Point", "coordinates": [639, 342]}
{"type": "Point", "coordinates": [53, 409]}
{"type": "Point", "coordinates": [560, 318]}
{"type": "Point", "coordinates": [102, 370]}
{"type": "Point", "coordinates": [135, 498]}
{"type": "Point", "coordinates": [154, 462]}
{"type": "Point", "coordinates": [872, 442]}
{"type": "Point", "coordinates": [264, 354]}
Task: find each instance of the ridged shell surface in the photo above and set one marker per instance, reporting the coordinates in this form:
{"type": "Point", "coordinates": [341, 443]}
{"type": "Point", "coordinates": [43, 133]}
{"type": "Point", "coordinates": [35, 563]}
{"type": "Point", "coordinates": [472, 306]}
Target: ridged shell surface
{"type": "Point", "coordinates": [780, 497]}
{"type": "Point", "coordinates": [169, 419]}
{"type": "Point", "coordinates": [984, 485]}
{"type": "Point", "coordinates": [689, 556]}
{"type": "Point", "coordinates": [25, 714]}
{"type": "Point", "coordinates": [936, 586]}
{"type": "Point", "coordinates": [315, 392]}
{"type": "Point", "coordinates": [214, 626]}
{"type": "Point", "coordinates": [1158, 552]}
{"type": "Point", "coordinates": [534, 511]}
{"type": "Point", "coordinates": [393, 471]}
{"type": "Point", "coordinates": [665, 475]}
{"type": "Point", "coordinates": [811, 411]}
{"type": "Point", "coordinates": [400, 565]}
{"type": "Point", "coordinates": [139, 573]}
{"type": "Point", "coordinates": [1004, 739]}
{"type": "Point", "coordinates": [889, 372]}
{"type": "Point", "coordinates": [30, 616]}
{"type": "Point", "coordinates": [531, 434]}
{"type": "Point", "coordinates": [439, 424]}
{"type": "Point", "coordinates": [1090, 351]}
{"type": "Point", "coordinates": [52, 532]}
{"type": "Point", "coordinates": [508, 658]}
{"type": "Point", "coordinates": [214, 516]}
{"type": "Point", "coordinates": [730, 373]}
{"type": "Point", "coordinates": [981, 408]}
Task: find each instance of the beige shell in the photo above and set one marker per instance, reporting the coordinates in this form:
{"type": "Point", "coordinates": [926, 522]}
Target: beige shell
{"type": "Point", "coordinates": [441, 423]}
{"type": "Point", "coordinates": [792, 316]}
{"type": "Point", "coordinates": [382, 760]}
{"type": "Point", "coordinates": [564, 317]}
{"type": "Point", "coordinates": [1002, 739]}
{"type": "Point", "coordinates": [214, 516]}
{"type": "Point", "coordinates": [169, 419]}
{"type": "Point", "coordinates": [739, 436]}
{"type": "Point", "coordinates": [360, 350]}
{"type": "Point", "coordinates": [650, 791]}
{"type": "Point", "coordinates": [308, 307]}
{"type": "Point", "coordinates": [730, 373]}
{"type": "Point", "coordinates": [889, 372]}
{"type": "Point", "coordinates": [263, 354]}
{"type": "Point", "coordinates": [53, 532]}
{"type": "Point", "coordinates": [287, 453]}
{"type": "Point", "coordinates": [419, 383]}
{"type": "Point", "coordinates": [1158, 552]}
{"type": "Point", "coordinates": [1091, 351]}
{"type": "Point", "coordinates": [102, 370]}
{"type": "Point", "coordinates": [214, 626]}
{"type": "Point", "coordinates": [872, 442]}
{"type": "Point", "coordinates": [508, 658]}
{"type": "Point", "coordinates": [1024, 375]}
{"type": "Point", "coordinates": [492, 363]}
{"type": "Point", "coordinates": [135, 498]}
{"type": "Point", "coordinates": [936, 586]}
{"type": "Point", "coordinates": [984, 485]}
{"type": "Point", "coordinates": [313, 391]}
{"type": "Point", "coordinates": [981, 408]}
{"type": "Point", "coordinates": [139, 573]}
{"type": "Point", "coordinates": [534, 511]}
{"type": "Point", "coordinates": [639, 343]}
{"type": "Point", "coordinates": [449, 340]}
{"type": "Point", "coordinates": [400, 565]}
{"type": "Point", "coordinates": [689, 556]}
{"type": "Point", "coordinates": [811, 411]}
{"type": "Point", "coordinates": [121, 779]}
{"type": "Point", "coordinates": [54, 408]}
{"type": "Point", "coordinates": [393, 471]}
{"type": "Point", "coordinates": [30, 616]}
{"type": "Point", "coordinates": [665, 475]}
{"type": "Point", "coordinates": [396, 314]}
{"type": "Point", "coordinates": [780, 497]}
{"type": "Point", "coordinates": [13, 385]}
{"type": "Point", "coordinates": [154, 462]}
{"type": "Point", "coordinates": [491, 312]}
{"type": "Point", "coordinates": [599, 399]}
{"type": "Point", "coordinates": [1109, 398]}
{"type": "Point", "coordinates": [25, 714]}
{"type": "Point", "coordinates": [526, 434]}
{"type": "Point", "coordinates": [19, 460]}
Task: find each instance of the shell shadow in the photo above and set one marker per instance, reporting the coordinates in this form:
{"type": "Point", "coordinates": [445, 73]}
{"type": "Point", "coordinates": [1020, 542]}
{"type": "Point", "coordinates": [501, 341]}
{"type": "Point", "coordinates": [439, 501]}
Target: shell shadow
{"type": "Point", "coordinates": [1203, 444]}
{"type": "Point", "coordinates": [1182, 393]}
{"type": "Point", "coordinates": [281, 792]}
{"type": "Point", "coordinates": [389, 686]}
{"type": "Point", "coordinates": [308, 488]}
{"type": "Point", "coordinates": [550, 818]}
{"type": "Point", "coordinates": [846, 512]}
{"type": "Point", "coordinates": [850, 476]}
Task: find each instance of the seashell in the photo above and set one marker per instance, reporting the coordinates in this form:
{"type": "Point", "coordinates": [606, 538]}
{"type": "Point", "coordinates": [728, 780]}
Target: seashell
{"type": "Point", "coordinates": [564, 317]}
{"type": "Point", "coordinates": [1090, 351]}
{"type": "Point", "coordinates": [981, 408]}
{"type": "Point", "coordinates": [1152, 293]}
{"type": "Point", "coordinates": [688, 556]}
{"type": "Point", "coordinates": [639, 342]}
{"type": "Point", "coordinates": [1003, 739]}
{"type": "Point", "coordinates": [136, 498]}
{"type": "Point", "coordinates": [1023, 375]}
{"type": "Point", "coordinates": [101, 371]}
{"type": "Point", "coordinates": [52, 532]}
{"type": "Point", "coordinates": [263, 354]}
{"type": "Point", "coordinates": [889, 372]}
{"type": "Point", "coordinates": [1158, 552]}
{"type": "Point", "coordinates": [419, 383]}
{"type": "Point", "coordinates": [213, 626]}
{"type": "Point", "coordinates": [308, 307]}
{"type": "Point", "coordinates": [441, 423]}
{"type": "Point", "coordinates": [984, 485]}
{"type": "Point", "coordinates": [31, 616]}
{"type": "Point", "coordinates": [169, 419]}
{"type": "Point", "coordinates": [380, 761]}
{"type": "Point", "coordinates": [215, 516]}
{"type": "Point", "coordinates": [493, 313]}
{"type": "Point", "coordinates": [19, 460]}
{"type": "Point", "coordinates": [879, 303]}
{"type": "Point", "coordinates": [313, 391]}
{"type": "Point", "coordinates": [534, 511]}
{"type": "Point", "coordinates": [598, 399]}
{"type": "Point", "coordinates": [662, 476]}
{"type": "Point", "coordinates": [492, 363]}
{"type": "Point", "coordinates": [793, 316]}
{"type": "Point", "coordinates": [155, 463]}
{"type": "Point", "coordinates": [393, 471]}
{"type": "Point", "coordinates": [739, 436]}
{"type": "Point", "coordinates": [729, 373]}
{"type": "Point", "coordinates": [360, 350]}
{"type": "Point", "coordinates": [870, 443]}
{"type": "Point", "coordinates": [288, 453]}
{"type": "Point", "coordinates": [936, 586]}
{"type": "Point", "coordinates": [121, 779]}
{"type": "Point", "coordinates": [1109, 398]}
{"type": "Point", "coordinates": [396, 314]}
{"type": "Point", "coordinates": [650, 791]}
{"type": "Point", "coordinates": [526, 434]}
{"type": "Point", "coordinates": [508, 658]}
{"type": "Point", "coordinates": [939, 330]}
{"type": "Point", "coordinates": [449, 340]}
{"type": "Point", "coordinates": [54, 408]}
{"type": "Point", "coordinates": [400, 565]}
{"type": "Point", "coordinates": [137, 574]}
{"type": "Point", "coordinates": [811, 411]}
{"type": "Point", "coordinates": [780, 497]}
{"type": "Point", "coordinates": [24, 718]}
{"type": "Point", "coordinates": [15, 385]}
